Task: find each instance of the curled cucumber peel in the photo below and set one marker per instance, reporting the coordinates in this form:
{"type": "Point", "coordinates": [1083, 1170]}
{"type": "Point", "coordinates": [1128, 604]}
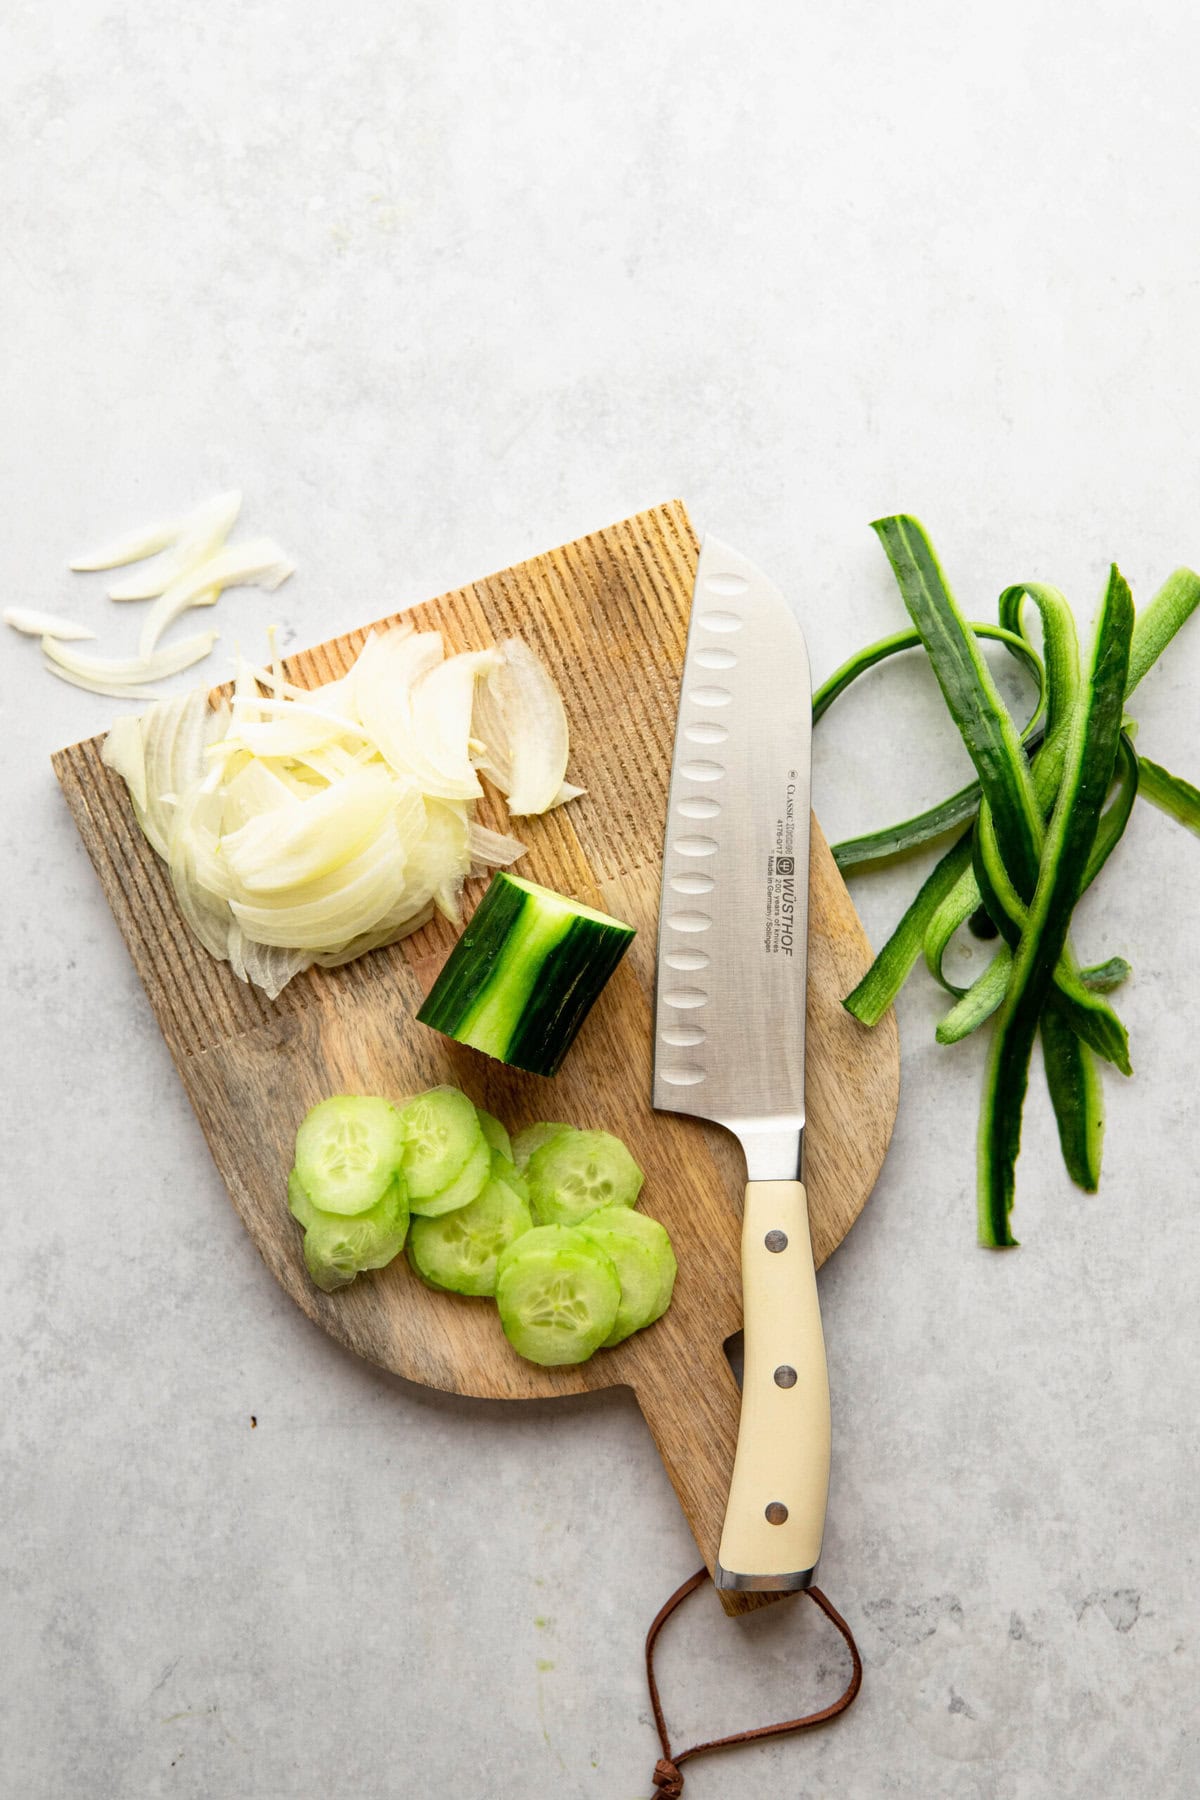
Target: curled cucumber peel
{"type": "Point", "coordinates": [1049, 806]}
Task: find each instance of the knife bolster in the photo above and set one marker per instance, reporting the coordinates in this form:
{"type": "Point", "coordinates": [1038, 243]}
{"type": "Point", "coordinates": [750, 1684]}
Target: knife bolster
{"type": "Point", "coordinates": [763, 1584]}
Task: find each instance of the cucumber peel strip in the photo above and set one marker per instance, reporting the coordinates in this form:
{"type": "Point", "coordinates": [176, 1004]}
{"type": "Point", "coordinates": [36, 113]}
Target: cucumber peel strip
{"type": "Point", "coordinates": [888, 973]}
{"type": "Point", "coordinates": [1087, 774]}
{"type": "Point", "coordinates": [1076, 1095]}
{"type": "Point", "coordinates": [970, 693]}
{"type": "Point", "coordinates": [937, 820]}
{"type": "Point", "coordinates": [1170, 793]}
{"type": "Point", "coordinates": [1157, 623]}
{"type": "Point", "coordinates": [1009, 836]}
{"type": "Point", "coordinates": [984, 877]}
{"type": "Point", "coordinates": [981, 999]}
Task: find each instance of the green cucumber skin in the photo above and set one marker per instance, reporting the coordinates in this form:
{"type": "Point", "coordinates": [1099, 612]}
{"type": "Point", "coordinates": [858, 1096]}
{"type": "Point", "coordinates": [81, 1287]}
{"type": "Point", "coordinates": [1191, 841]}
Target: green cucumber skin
{"type": "Point", "coordinates": [1076, 1095]}
{"type": "Point", "coordinates": [474, 960]}
{"type": "Point", "coordinates": [909, 833]}
{"type": "Point", "coordinates": [991, 738]}
{"type": "Point", "coordinates": [1088, 765]}
{"type": "Point", "coordinates": [568, 985]}
{"type": "Point", "coordinates": [1157, 623]}
{"type": "Point", "coordinates": [1074, 1025]}
{"type": "Point", "coordinates": [883, 980]}
{"type": "Point", "coordinates": [558, 993]}
{"type": "Point", "coordinates": [1170, 793]}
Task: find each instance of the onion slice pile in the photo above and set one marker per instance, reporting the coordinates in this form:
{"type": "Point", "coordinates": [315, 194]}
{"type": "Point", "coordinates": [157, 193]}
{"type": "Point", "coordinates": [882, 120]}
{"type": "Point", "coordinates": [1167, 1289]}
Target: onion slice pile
{"type": "Point", "coordinates": [304, 826]}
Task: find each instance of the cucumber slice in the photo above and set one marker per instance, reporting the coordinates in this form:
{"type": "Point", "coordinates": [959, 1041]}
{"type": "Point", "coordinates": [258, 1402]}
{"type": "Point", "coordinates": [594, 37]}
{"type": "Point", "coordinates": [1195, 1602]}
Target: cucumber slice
{"type": "Point", "coordinates": [531, 1139]}
{"type": "Point", "coordinates": [441, 1131]}
{"type": "Point", "coordinates": [503, 1170]}
{"type": "Point", "coordinates": [338, 1248]}
{"type": "Point", "coordinates": [645, 1263]}
{"type": "Point", "coordinates": [577, 1172]}
{"type": "Point", "coordinates": [525, 973]}
{"type": "Point", "coordinates": [460, 1251]}
{"type": "Point", "coordinates": [467, 1185]}
{"type": "Point", "coordinates": [347, 1151]}
{"type": "Point", "coordinates": [495, 1133]}
{"type": "Point", "coordinates": [557, 1294]}
{"type": "Point", "coordinates": [299, 1204]}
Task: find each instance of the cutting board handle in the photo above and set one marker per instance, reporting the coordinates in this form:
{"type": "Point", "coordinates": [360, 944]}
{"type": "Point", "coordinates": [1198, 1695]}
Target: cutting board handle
{"type": "Point", "coordinates": [692, 1409]}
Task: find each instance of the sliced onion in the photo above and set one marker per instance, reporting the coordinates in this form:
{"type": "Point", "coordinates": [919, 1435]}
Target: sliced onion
{"type": "Point", "coordinates": [258, 564]}
{"type": "Point", "coordinates": [252, 791]}
{"type": "Point", "coordinates": [384, 675]}
{"type": "Point", "coordinates": [307, 826]}
{"type": "Point", "coordinates": [523, 722]}
{"type": "Point", "coordinates": [491, 848]}
{"type": "Point", "coordinates": [130, 548]}
{"type": "Point", "coordinates": [191, 565]}
{"type": "Point", "coordinates": [44, 624]}
{"type": "Point", "coordinates": [386, 932]}
{"type": "Point", "coordinates": [264, 966]}
{"type": "Point", "coordinates": [441, 867]}
{"type": "Point", "coordinates": [197, 816]}
{"type": "Point", "coordinates": [322, 888]}
{"type": "Point", "coordinates": [442, 703]}
{"type": "Point", "coordinates": [332, 762]}
{"type": "Point", "coordinates": [200, 535]}
{"type": "Point", "coordinates": [353, 907]}
{"type": "Point", "coordinates": [174, 735]}
{"type": "Point", "coordinates": [124, 753]}
{"type": "Point", "coordinates": [114, 690]}
{"type": "Point", "coordinates": [279, 850]}
{"type": "Point", "coordinates": [160, 617]}
{"type": "Point", "coordinates": [132, 668]}
{"type": "Point", "coordinates": [295, 730]}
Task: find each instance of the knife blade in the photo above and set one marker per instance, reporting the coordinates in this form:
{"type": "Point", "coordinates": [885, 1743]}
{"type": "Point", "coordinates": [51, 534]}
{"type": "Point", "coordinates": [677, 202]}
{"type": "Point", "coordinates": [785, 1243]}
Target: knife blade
{"type": "Point", "coordinates": [729, 1030]}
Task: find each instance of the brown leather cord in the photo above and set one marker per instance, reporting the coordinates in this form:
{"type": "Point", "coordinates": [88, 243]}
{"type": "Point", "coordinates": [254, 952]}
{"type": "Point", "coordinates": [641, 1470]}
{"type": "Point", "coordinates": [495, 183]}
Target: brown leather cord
{"type": "Point", "coordinates": [668, 1781]}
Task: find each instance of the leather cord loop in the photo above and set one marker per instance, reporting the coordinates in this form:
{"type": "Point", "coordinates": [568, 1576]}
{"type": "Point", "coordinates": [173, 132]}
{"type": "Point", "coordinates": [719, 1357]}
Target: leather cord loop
{"type": "Point", "coordinates": [668, 1777]}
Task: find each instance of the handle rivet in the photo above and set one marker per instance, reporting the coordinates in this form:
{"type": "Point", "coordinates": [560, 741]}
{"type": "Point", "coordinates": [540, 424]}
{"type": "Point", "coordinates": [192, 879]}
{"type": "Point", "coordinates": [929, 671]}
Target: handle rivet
{"type": "Point", "coordinates": [785, 1376]}
{"type": "Point", "coordinates": [776, 1241]}
{"type": "Point", "coordinates": [776, 1513]}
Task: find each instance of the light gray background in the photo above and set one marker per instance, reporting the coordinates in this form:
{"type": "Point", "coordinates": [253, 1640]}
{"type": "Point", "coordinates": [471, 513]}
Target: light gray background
{"type": "Point", "coordinates": [441, 285]}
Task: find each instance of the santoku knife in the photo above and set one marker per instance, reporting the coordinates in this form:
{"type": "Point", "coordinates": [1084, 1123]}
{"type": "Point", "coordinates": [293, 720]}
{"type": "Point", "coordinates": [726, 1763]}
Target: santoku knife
{"type": "Point", "coordinates": [729, 1030]}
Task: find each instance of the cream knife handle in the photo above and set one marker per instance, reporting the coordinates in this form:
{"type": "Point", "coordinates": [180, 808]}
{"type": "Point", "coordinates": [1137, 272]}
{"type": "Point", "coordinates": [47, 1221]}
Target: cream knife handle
{"type": "Point", "coordinates": [775, 1515]}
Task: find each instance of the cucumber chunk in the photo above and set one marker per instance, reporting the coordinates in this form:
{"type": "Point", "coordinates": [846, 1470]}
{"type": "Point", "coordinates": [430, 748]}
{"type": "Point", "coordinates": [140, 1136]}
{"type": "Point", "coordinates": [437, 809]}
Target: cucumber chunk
{"type": "Point", "coordinates": [558, 1295]}
{"type": "Point", "coordinates": [337, 1248]}
{"type": "Point", "coordinates": [467, 1185]}
{"type": "Point", "coordinates": [525, 973]}
{"type": "Point", "coordinates": [460, 1250]}
{"type": "Point", "coordinates": [577, 1172]}
{"type": "Point", "coordinates": [645, 1263]}
{"type": "Point", "coordinates": [531, 1139]}
{"type": "Point", "coordinates": [495, 1133]}
{"type": "Point", "coordinates": [347, 1150]}
{"type": "Point", "coordinates": [441, 1132]}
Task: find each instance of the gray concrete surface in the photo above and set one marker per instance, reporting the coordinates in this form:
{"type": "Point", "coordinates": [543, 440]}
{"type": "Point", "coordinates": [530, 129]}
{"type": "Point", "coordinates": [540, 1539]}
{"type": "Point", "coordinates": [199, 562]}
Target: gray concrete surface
{"type": "Point", "coordinates": [440, 285]}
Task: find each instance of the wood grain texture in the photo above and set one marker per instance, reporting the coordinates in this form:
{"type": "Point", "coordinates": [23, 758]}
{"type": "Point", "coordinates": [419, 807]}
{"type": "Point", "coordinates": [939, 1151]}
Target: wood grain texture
{"type": "Point", "coordinates": [609, 615]}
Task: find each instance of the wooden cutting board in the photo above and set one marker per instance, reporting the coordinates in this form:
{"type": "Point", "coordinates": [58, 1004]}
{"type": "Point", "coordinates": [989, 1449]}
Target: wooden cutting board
{"type": "Point", "coordinates": [609, 616]}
